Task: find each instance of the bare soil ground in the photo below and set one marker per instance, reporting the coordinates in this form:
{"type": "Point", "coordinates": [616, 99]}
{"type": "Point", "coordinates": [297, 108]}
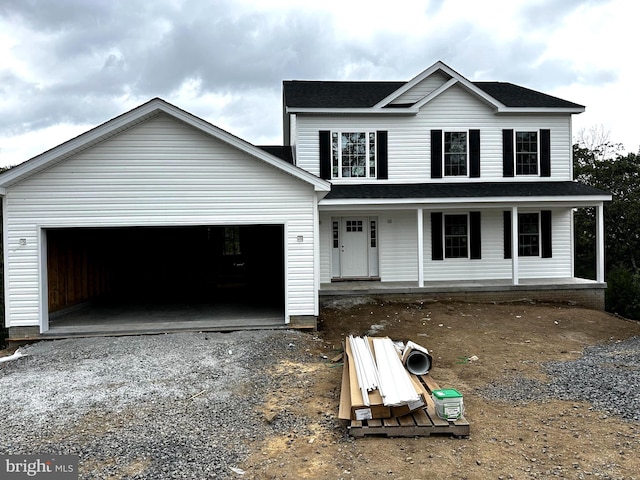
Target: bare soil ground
{"type": "Point", "coordinates": [544, 439]}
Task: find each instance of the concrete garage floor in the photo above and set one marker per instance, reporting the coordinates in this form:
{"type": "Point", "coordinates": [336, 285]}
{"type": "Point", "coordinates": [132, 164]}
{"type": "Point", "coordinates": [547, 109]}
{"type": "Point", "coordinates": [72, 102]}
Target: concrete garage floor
{"type": "Point", "coordinates": [127, 319]}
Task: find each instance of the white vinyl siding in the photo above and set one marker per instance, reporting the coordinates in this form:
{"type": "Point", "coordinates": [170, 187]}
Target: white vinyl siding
{"type": "Point", "coordinates": [158, 173]}
{"type": "Point", "coordinates": [560, 264]}
{"type": "Point", "coordinates": [491, 266]}
{"type": "Point", "coordinates": [409, 137]}
{"type": "Point", "coordinates": [422, 89]}
{"type": "Point", "coordinates": [399, 258]}
{"type": "Point", "coordinates": [398, 246]}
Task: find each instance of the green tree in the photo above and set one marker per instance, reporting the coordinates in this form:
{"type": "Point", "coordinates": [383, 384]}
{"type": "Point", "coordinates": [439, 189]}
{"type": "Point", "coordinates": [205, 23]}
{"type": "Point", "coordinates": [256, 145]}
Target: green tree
{"type": "Point", "coordinates": [606, 168]}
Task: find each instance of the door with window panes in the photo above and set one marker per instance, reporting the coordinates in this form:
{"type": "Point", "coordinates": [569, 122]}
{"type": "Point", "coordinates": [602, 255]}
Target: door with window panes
{"type": "Point", "coordinates": [355, 247]}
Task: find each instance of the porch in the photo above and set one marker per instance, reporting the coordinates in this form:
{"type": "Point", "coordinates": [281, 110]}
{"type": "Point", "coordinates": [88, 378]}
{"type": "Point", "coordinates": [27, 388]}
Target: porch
{"type": "Point", "coordinates": [571, 290]}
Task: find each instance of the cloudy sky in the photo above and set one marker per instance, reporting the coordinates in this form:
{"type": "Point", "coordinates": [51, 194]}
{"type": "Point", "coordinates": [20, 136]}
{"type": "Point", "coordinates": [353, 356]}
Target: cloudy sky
{"type": "Point", "coordinates": [69, 65]}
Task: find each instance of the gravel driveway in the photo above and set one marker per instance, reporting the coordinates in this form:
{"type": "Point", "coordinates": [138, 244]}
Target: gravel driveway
{"type": "Point", "coordinates": [188, 405]}
{"type": "Point", "coordinates": [162, 406]}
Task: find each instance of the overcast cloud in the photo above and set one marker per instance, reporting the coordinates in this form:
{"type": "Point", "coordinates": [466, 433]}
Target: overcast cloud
{"type": "Point", "coordinates": [69, 65]}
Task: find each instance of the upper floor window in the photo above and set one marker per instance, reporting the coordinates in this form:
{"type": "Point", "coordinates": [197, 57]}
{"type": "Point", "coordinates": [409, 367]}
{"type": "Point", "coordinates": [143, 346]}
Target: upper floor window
{"type": "Point", "coordinates": [353, 154]}
{"type": "Point", "coordinates": [526, 153]}
{"type": "Point", "coordinates": [455, 153]}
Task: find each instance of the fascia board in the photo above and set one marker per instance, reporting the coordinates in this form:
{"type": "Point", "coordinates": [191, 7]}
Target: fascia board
{"type": "Point", "coordinates": [414, 81]}
{"type": "Point", "coordinates": [84, 140]}
{"type": "Point", "coordinates": [438, 91]}
{"type": "Point", "coordinates": [237, 142]}
{"type": "Point", "coordinates": [545, 110]}
{"type": "Point", "coordinates": [133, 117]}
{"type": "Point", "coordinates": [354, 111]}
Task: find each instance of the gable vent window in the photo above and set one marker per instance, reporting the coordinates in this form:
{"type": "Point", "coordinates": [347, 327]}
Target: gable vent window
{"type": "Point", "coordinates": [353, 155]}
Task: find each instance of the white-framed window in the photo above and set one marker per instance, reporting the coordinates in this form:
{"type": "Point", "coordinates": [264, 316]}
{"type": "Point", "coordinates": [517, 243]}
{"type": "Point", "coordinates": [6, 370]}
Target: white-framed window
{"type": "Point", "coordinates": [528, 234]}
{"type": "Point", "coordinates": [456, 153]}
{"type": "Point", "coordinates": [526, 151]}
{"type": "Point", "coordinates": [353, 154]}
{"type": "Point", "coordinates": [456, 236]}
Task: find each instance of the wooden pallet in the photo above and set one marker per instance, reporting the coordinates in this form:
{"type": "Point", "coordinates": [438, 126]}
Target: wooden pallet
{"type": "Point", "coordinates": [420, 423]}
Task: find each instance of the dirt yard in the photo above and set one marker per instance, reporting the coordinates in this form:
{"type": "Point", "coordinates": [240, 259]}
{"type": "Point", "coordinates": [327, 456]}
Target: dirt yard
{"type": "Point", "coordinates": [543, 439]}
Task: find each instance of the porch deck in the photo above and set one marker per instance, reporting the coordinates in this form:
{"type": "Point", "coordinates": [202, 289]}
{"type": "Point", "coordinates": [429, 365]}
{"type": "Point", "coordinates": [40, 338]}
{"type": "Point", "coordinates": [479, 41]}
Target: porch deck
{"type": "Point", "coordinates": [589, 293]}
{"type": "Point", "coordinates": [374, 287]}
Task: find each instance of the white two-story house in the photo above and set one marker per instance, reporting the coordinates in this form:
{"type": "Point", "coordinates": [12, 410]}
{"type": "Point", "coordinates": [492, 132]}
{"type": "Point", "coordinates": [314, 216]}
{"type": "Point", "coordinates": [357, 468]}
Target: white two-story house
{"type": "Point", "coordinates": [158, 220]}
{"type": "Point", "coordinates": [440, 182]}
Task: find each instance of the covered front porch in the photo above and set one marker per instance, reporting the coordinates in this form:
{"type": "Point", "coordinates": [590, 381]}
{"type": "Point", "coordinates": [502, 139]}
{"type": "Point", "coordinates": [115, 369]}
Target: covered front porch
{"type": "Point", "coordinates": [570, 290]}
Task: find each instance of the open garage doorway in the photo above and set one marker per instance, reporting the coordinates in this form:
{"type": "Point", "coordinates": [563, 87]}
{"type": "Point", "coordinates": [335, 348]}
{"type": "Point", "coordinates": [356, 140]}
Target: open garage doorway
{"type": "Point", "coordinates": [165, 278]}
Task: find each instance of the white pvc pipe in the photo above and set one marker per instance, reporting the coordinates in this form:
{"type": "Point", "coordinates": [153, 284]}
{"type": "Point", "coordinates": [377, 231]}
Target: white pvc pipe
{"type": "Point", "coordinates": [17, 354]}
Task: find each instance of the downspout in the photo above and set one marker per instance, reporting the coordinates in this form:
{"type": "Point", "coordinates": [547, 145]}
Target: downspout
{"type": "Point", "coordinates": [420, 247]}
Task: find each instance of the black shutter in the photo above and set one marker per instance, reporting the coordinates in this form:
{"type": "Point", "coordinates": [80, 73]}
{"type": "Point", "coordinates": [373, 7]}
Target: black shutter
{"type": "Point", "coordinates": [545, 227]}
{"type": "Point", "coordinates": [381, 153]}
{"type": "Point", "coordinates": [507, 234]}
{"type": "Point", "coordinates": [474, 158]}
{"type": "Point", "coordinates": [325, 154]}
{"type": "Point", "coordinates": [507, 153]}
{"type": "Point", "coordinates": [475, 236]}
{"type": "Point", "coordinates": [436, 236]}
{"type": "Point", "coordinates": [545, 153]}
{"type": "Point", "coordinates": [436, 153]}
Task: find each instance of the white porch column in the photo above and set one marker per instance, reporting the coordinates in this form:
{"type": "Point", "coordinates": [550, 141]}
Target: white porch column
{"type": "Point", "coordinates": [420, 248]}
{"type": "Point", "coordinates": [600, 243]}
{"type": "Point", "coordinates": [514, 246]}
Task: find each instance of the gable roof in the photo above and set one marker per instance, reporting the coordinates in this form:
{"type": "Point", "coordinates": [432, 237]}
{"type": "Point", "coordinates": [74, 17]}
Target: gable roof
{"type": "Point", "coordinates": [140, 114]}
{"type": "Point", "coordinates": [504, 96]}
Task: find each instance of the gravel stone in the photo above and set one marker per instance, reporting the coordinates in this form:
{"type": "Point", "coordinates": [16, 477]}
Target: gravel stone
{"type": "Point", "coordinates": [606, 375]}
{"type": "Point", "coordinates": [146, 407]}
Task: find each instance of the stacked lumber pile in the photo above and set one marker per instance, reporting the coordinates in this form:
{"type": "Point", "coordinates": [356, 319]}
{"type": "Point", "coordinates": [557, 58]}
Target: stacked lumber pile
{"type": "Point", "coordinates": [379, 395]}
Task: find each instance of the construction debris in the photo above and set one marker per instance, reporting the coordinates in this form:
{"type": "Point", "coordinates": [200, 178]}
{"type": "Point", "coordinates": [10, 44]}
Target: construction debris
{"type": "Point", "coordinates": [379, 396]}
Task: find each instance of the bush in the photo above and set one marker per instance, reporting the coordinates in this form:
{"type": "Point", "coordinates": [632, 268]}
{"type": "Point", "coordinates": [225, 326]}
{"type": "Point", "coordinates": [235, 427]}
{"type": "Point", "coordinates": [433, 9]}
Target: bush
{"type": "Point", "coordinates": [623, 293]}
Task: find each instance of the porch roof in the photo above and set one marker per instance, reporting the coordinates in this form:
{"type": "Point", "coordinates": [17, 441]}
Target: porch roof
{"type": "Point", "coordinates": [467, 190]}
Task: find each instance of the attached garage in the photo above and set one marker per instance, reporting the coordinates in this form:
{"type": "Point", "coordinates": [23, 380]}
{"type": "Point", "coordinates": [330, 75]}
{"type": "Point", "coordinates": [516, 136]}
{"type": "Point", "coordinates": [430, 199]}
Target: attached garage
{"type": "Point", "coordinates": [158, 209]}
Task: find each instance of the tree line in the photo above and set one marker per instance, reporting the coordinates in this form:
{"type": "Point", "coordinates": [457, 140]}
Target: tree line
{"type": "Point", "coordinates": [602, 165]}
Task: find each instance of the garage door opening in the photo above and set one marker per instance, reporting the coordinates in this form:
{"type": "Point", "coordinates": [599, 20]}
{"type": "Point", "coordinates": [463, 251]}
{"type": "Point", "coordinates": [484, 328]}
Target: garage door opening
{"type": "Point", "coordinates": [174, 272]}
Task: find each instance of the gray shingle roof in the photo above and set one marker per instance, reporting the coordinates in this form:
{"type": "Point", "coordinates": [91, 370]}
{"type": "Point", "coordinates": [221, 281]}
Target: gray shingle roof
{"type": "Point", "coordinates": [323, 94]}
{"type": "Point", "coordinates": [319, 94]}
{"type": "Point", "coordinates": [282, 152]}
{"type": "Point", "coordinates": [516, 96]}
{"type": "Point", "coordinates": [462, 190]}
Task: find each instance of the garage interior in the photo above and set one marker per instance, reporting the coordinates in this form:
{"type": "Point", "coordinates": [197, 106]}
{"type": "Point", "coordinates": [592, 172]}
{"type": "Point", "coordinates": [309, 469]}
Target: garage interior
{"type": "Point", "coordinates": [149, 279]}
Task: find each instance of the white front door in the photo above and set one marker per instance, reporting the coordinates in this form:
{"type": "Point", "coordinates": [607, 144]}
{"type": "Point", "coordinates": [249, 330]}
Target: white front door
{"type": "Point", "coordinates": [354, 254]}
